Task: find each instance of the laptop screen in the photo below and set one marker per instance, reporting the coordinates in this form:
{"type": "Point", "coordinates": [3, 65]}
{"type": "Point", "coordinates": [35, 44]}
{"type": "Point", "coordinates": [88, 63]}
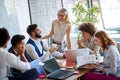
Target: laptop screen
{"type": "Point", "coordinates": [50, 66]}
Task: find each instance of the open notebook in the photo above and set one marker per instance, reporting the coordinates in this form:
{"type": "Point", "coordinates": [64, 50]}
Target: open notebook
{"type": "Point", "coordinates": [52, 70]}
{"type": "Point", "coordinates": [85, 59]}
{"type": "Point", "coordinates": [71, 56]}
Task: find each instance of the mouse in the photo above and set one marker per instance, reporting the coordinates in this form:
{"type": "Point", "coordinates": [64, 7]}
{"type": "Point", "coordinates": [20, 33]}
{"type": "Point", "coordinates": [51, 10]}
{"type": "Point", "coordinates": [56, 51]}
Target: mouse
{"type": "Point", "coordinates": [42, 76]}
{"type": "Point", "coordinates": [76, 72]}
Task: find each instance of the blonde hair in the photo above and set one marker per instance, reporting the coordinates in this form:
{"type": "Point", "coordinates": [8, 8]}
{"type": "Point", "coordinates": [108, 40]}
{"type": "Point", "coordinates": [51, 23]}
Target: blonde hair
{"type": "Point", "coordinates": [66, 14]}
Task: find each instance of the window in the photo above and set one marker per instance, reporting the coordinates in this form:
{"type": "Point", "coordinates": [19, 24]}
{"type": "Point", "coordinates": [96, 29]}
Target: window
{"type": "Point", "coordinates": [110, 12]}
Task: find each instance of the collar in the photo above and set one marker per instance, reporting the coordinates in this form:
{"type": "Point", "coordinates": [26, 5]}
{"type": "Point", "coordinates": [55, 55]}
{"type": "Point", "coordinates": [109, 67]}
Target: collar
{"type": "Point", "coordinates": [35, 40]}
{"type": "Point", "coordinates": [1, 48]}
{"type": "Point", "coordinates": [15, 51]}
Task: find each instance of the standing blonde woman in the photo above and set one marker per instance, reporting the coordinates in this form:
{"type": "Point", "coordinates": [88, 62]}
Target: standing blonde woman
{"type": "Point", "coordinates": [60, 28]}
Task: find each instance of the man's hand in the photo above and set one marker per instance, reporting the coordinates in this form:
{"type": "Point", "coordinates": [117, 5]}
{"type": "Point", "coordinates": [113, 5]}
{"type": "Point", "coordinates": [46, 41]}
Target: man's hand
{"type": "Point", "coordinates": [53, 49]}
{"type": "Point", "coordinates": [21, 51]}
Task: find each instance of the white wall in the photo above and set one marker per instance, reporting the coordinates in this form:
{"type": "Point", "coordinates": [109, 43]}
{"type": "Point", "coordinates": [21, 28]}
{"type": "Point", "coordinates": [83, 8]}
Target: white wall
{"type": "Point", "coordinates": [22, 11]}
{"type": "Point", "coordinates": [14, 16]}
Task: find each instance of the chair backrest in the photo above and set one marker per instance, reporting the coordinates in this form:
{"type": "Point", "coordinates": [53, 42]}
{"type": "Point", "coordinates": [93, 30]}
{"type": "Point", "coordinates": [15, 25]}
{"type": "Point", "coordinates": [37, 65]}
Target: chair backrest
{"type": "Point", "coordinates": [118, 46]}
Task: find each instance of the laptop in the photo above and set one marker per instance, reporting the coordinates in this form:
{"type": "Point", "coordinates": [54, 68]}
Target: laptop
{"type": "Point", "coordinates": [35, 64]}
{"type": "Point", "coordinates": [71, 56]}
{"type": "Point", "coordinates": [53, 71]}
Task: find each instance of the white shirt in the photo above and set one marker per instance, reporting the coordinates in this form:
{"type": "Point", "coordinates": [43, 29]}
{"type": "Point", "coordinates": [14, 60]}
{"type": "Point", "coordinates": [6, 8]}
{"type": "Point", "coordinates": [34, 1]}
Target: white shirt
{"type": "Point", "coordinates": [8, 59]}
{"type": "Point", "coordinates": [33, 54]}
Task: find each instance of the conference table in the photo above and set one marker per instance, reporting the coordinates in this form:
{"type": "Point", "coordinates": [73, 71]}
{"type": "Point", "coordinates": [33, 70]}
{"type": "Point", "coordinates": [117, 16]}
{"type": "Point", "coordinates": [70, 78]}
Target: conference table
{"type": "Point", "coordinates": [73, 77]}
{"type": "Point", "coordinates": [82, 71]}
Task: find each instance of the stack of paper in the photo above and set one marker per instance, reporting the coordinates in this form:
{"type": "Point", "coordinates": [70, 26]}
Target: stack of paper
{"type": "Point", "coordinates": [85, 59]}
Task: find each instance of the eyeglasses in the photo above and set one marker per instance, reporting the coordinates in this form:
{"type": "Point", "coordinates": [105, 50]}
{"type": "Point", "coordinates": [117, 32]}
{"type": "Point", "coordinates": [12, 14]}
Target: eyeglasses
{"type": "Point", "coordinates": [60, 15]}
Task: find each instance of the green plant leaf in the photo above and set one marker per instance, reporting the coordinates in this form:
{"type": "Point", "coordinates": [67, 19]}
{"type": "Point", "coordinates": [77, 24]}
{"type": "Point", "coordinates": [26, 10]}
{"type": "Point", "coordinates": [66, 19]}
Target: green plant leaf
{"type": "Point", "coordinates": [83, 13]}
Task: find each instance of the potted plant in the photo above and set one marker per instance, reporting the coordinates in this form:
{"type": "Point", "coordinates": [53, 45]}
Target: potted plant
{"type": "Point", "coordinates": [83, 13]}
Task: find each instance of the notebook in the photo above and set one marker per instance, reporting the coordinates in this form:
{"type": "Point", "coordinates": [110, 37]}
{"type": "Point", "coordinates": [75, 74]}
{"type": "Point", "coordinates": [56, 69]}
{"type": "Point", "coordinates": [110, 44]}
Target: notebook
{"type": "Point", "coordinates": [86, 59]}
{"type": "Point", "coordinates": [71, 56]}
{"type": "Point", "coordinates": [35, 64]}
{"type": "Point", "coordinates": [53, 71]}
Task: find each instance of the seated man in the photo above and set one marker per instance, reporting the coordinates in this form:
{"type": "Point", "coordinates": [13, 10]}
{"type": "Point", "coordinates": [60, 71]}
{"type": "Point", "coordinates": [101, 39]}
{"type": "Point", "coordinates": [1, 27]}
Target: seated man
{"type": "Point", "coordinates": [35, 46]}
{"type": "Point", "coordinates": [18, 48]}
{"type": "Point", "coordinates": [7, 59]}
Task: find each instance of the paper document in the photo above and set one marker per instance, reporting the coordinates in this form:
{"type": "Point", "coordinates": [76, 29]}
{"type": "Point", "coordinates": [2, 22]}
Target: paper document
{"type": "Point", "coordinates": [85, 59]}
{"type": "Point", "coordinates": [71, 55]}
{"type": "Point", "coordinates": [35, 64]}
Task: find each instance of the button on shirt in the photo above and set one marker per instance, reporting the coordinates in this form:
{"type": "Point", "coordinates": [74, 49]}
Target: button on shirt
{"type": "Point", "coordinates": [7, 59]}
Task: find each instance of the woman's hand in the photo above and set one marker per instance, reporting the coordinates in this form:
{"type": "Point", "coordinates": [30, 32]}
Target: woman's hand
{"type": "Point", "coordinates": [96, 67]}
{"type": "Point", "coordinates": [80, 44]}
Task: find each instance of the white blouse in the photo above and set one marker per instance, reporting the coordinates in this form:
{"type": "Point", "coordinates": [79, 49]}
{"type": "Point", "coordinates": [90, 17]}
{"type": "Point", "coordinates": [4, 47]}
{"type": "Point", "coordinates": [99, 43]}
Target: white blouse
{"type": "Point", "coordinates": [60, 29]}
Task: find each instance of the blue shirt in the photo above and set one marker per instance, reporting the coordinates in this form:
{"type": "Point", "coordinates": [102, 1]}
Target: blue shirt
{"type": "Point", "coordinates": [112, 61]}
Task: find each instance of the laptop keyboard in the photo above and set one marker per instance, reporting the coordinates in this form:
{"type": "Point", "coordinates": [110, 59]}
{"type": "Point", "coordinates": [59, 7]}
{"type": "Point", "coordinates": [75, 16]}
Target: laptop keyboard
{"type": "Point", "coordinates": [61, 74]}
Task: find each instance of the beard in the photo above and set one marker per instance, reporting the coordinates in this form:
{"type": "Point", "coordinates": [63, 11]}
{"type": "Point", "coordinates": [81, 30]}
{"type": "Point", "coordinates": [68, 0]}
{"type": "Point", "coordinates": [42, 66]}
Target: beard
{"type": "Point", "coordinates": [38, 36]}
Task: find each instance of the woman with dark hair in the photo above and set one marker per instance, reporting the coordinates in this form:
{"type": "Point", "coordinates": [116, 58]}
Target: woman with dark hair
{"type": "Point", "coordinates": [111, 60]}
{"type": "Point", "coordinates": [88, 31]}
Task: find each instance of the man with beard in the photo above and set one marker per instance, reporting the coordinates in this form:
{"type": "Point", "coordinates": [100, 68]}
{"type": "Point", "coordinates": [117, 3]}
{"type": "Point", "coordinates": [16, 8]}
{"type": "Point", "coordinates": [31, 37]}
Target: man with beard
{"type": "Point", "coordinates": [35, 46]}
